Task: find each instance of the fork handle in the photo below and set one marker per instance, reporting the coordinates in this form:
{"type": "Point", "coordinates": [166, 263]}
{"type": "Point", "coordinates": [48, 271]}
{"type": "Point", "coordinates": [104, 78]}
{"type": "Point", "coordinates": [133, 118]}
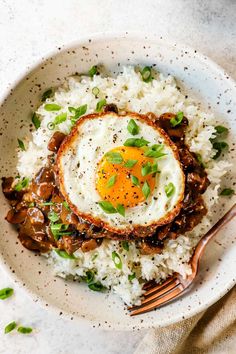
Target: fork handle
{"type": "Point", "coordinates": [210, 234]}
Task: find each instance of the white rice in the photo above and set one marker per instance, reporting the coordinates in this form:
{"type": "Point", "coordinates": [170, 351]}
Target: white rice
{"type": "Point", "coordinates": [129, 92]}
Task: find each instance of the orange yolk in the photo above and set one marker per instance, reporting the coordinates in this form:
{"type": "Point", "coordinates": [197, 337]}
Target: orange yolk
{"type": "Point", "coordinates": [123, 191]}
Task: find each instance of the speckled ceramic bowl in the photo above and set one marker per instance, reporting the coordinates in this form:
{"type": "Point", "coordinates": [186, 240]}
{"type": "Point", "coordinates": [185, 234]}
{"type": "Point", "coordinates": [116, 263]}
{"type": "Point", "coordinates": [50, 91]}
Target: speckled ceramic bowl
{"type": "Point", "coordinates": [199, 76]}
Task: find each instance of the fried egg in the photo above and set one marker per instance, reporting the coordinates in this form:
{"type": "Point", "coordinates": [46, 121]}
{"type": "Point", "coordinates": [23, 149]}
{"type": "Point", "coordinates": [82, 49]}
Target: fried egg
{"type": "Point", "coordinates": [121, 172]}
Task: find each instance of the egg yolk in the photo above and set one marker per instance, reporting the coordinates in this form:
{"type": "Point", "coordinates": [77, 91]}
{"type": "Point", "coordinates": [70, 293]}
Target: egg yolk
{"type": "Point", "coordinates": [116, 183]}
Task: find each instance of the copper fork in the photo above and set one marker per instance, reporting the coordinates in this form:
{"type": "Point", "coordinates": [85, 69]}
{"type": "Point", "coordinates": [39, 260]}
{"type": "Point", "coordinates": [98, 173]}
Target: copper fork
{"type": "Point", "coordinates": [158, 295]}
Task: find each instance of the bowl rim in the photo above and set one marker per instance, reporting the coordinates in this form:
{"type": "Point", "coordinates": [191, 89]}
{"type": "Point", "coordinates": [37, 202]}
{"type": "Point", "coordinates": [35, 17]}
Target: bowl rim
{"type": "Point", "coordinates": [83, 40]}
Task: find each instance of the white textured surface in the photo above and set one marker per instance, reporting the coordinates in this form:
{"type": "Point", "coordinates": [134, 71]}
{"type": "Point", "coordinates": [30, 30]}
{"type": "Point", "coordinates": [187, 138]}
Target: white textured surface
{"type": "Point", "coordinates": [31, 29]}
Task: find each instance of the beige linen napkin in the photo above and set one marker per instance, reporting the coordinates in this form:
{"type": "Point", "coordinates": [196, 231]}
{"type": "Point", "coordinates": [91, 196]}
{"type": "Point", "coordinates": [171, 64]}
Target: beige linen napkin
{"type": "Point", "coordinates": [210, 332]}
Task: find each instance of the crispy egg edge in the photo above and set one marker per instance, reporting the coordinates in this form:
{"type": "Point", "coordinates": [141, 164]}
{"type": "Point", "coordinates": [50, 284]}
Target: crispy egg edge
{"type": "Point", "coordinates": [96, 221]}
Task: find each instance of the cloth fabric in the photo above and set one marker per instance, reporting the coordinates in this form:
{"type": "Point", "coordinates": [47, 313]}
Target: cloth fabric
{"type": "Point", "coordinates": [210, 332]}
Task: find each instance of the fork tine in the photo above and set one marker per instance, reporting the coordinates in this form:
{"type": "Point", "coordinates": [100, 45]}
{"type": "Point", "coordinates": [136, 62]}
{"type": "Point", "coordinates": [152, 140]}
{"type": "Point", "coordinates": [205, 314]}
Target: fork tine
{"type": "Point", "coordinates": [149, 285]}
{"type": "Point", "coordinates": [162, 292]}
{"type": "Point", "coordinates": [159, 287]}
{"type": "Point", "coordinates": [160, 301]}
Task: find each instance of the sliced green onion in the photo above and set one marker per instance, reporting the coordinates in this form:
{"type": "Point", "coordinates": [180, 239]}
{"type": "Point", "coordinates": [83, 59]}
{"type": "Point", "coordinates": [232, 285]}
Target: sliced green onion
{"type": "Point", "coordinates": [31, 205]}
{"type": "Point", "coordinates": [177, 119]}
{"type": "Point", "coordinates": [64, 254]}
{"type": "Point", "coordinates": [146, 189]}
{"type": "Point", "coordinates": [93, 71]}
{"type": "Point", "coordinates": [132, 127]}
{"type": "Point", "coordinates": [117, 260]}
{"type": "Point", "coordinates": [52, 216]}
{"type": "Point", "coordinates": [66, 205]}
{"type": "Point", "coordinates": [51, 107]}
{"type": "Point", "coordinates": [21, 144]}
{"type": "Point", "coordinates": [51, 126]}
{"type": "Point", "coordinates": [59, 230]}
{"type": "Point", "coordinates": [137, 142]}
{"type": "Point", "coordinates": [96, 286]}
{"type": "Point", "coordinates": [146, 169]}
{"type": "Point", "coordinates": [199, 158]}
{"type": "Point", "coordinates": [24, 330]}
{"type": "Point", "coordinates": [6, 293]}
{"type": "Point", "coordinates": [125, 245]}
{"type": "Point", "coordinates": [220, 129]}
{"type": "Point", "coordinates": [130, 163]}
{"type": "Point", "coordinates": [155, 151]}
{"type": "Point", "coordinates": [21, 184]}
{"type": "Point", "coordinates": [146, 74]}
{"type": "Point", "coordinates": [95, 91]}
{"type": "Point", "coordinates": [114, 157]}
{"type": "Point", "coordinates": [100, 105]}
{"type": "Point", "coordinates": [35, 120]}
{"type": "Point", "coordinates": [89, 276]}
{"type": "Point", "coordinates": [169, 189]}
{"type": "Point", "coordinates": [78, 112]}
{"type": "Point", "coordinates": [60, 118]}
{"type": "Point", "coordinates": [111, 181]}
{"type": "Point", "coordinates": [219, 146]}
{"type": "Point", "coordinates": [10, 327]}
{"type": "Point", "coordinates": [107, 207]}
{"type": "Point", "coordinates": [94, 256]}
{"type": "Point", "coordinates": [131, 276]}
{"type": "Point", "coordinates": [120, 209]}
{"type": "Point", "coordinates": [135, 180]}
{"type": "Point", "coordinates": [47, 94]}
{"type": "Point", "coordinates": [47, 203]}
{"type": "Point", "coordinates": [155, 168]}
{"type": "Point", "coordinates": [227, 192]}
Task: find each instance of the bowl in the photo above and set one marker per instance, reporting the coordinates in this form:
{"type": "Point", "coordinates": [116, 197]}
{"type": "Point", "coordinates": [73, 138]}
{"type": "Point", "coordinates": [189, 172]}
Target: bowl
{"type": "Point", "coordinates": [197, 75]}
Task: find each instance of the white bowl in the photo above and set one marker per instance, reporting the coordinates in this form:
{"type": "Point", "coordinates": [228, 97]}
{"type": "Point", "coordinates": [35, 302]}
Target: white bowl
{"type": "Point", "coordinates": [205, 81]}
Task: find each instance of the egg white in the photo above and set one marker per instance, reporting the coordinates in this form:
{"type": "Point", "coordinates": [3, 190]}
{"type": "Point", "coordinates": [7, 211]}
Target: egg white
{"type": "Point", "coordinates": [77, 163]}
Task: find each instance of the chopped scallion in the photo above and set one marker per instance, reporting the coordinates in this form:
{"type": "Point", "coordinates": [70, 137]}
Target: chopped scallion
{"type": "Point", "coordinates": [114, 157]}
{"type": "Point", "coordinates": [117, 260]}
{"type": "Point", "coordinates": [51, 126]}
{"type": "Point", "coordinates": [60, 118]}
{"type": "Point", "coordinates": [51, 107]}
{"type": "Point", "coordinates": [132, 127]}
{"type": "Point", "coordinates": [5, 293]}
{"type": "Point", "coordinates": [21, 184]}
{"type": "Point", "coordinates": [100, 105]}
{"type": "Point", "coordinates": [10, 327]}
{"type": "Point", "coordinates": [96, 286]}
{"type": "Point", "coordinates": [35, 120]}
{"type": "Point", "coordinates": [130, 163]}
{"type": "Point", "coordinates": [137, 142]}
{"type": "Point", "coordinates": [146, 189]}
{"type": "Point", "coordinates": [95, 91]}
{"type": "Point", "coordinates": [93, 71]}
{"type": "Point", "coordinates": [107, 207]}
{"type": "Point", "coordinates": [131, 276]}
{"type": "Point", "coordinates": [24, 330]}
{"type": "Point", "coordinates": [227, 192]}
{"type": "Point", "coordinates": [21, 144]}
{"type": "Point", "coordinates": [177, 119]}
{"type": "Point", "coordinates": [125, 245]}
{"type": "Point", "coordinates": [120, 209]}
{"type": "Point", "coordinates": [52, 216]}
{"type": "Point", "coordinates": [47, 94]}
{"type": "Point", "coordinates": [146, 74]}
{"type": "Point", "coordinates": [111, 181]}
{"type": "Point", "coordinates": [220, 129]}
{"type": "Point", "coordinates": [169, 189]}
{"type": "Point", "coordinates": [135, 180]}
{"type": "Point", "coordinates": [64, 254]}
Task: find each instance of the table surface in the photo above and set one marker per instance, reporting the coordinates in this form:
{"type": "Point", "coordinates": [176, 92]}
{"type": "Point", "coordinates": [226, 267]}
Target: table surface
{"type": "Point", "coordinates": [29, 29]}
